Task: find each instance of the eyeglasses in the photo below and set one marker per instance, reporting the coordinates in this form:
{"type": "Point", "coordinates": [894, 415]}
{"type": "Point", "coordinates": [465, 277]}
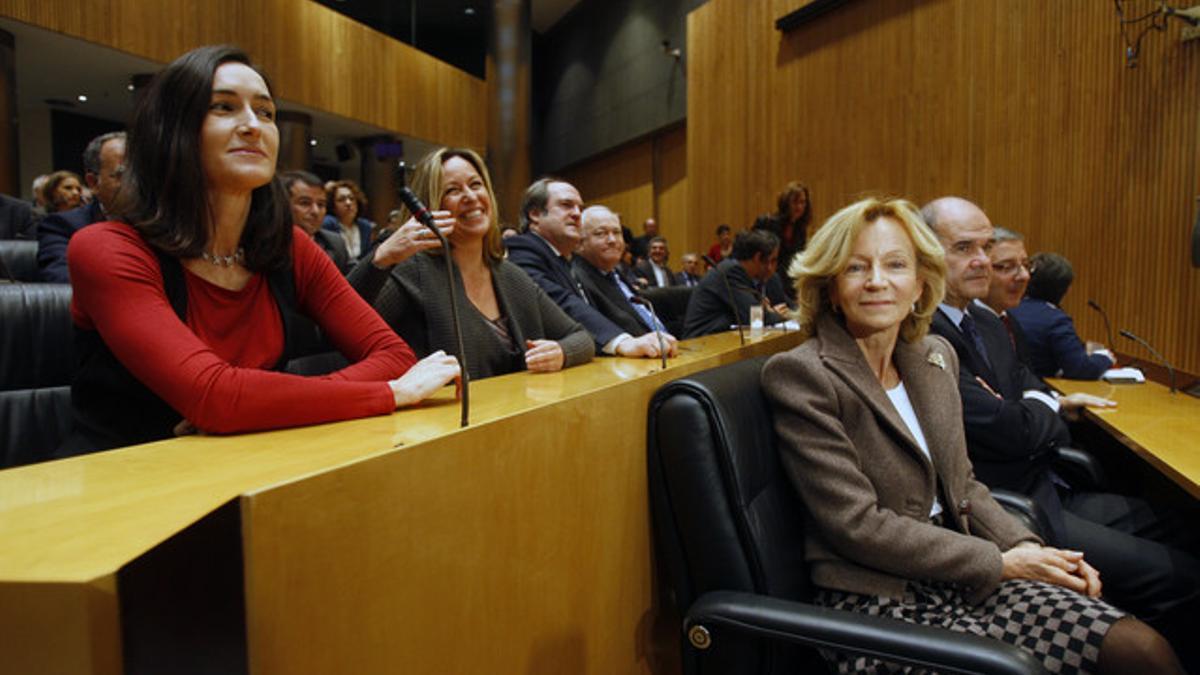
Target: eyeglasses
{"type": "Point", "coordinates": [1010, 268]}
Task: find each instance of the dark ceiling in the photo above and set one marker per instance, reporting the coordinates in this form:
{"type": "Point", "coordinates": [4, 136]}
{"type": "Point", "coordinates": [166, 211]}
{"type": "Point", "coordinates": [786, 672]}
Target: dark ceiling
{"type": "Point", "coordinates": [454, 31]}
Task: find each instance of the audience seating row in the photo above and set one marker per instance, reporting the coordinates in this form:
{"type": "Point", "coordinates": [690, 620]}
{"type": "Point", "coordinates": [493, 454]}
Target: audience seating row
{"type": "Point", "coordinates": [18, 260]}
{"type": "Point", "coordinates": [36, 366]}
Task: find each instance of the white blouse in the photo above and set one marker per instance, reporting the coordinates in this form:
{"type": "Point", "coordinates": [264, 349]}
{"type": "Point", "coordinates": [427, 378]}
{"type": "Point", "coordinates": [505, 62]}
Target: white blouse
{"type": "Point", "coordinates": [903, 406]}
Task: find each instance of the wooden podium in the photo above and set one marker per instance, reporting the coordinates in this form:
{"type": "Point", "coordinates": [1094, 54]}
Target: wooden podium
{"type": "Point", "coordinates": [401, 543]}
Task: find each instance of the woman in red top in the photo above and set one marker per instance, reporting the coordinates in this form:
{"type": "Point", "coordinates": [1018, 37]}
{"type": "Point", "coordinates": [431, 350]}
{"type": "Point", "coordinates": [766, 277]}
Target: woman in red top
{"type": "Point", "coordinates": [185, 306]}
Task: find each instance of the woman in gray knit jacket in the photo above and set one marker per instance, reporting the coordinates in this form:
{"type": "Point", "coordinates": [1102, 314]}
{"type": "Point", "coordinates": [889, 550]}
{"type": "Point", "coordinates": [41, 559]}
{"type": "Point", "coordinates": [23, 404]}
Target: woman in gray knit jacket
{"type": "Point", "coordinates": [508, 322]}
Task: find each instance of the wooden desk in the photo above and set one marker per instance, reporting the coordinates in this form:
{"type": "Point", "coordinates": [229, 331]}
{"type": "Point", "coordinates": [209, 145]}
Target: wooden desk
{"type": "Point", "coordinates": [1161, 427]}
{"type": "Point", "coordinates": [390, 544]}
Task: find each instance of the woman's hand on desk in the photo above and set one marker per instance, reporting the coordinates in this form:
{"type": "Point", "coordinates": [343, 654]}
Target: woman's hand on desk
{"type": "Point", "coordinates": [410, 239]}
{"type": "Point", "coordinates": [1051, 565]}
{"type": "Point", "coordinates": [544, 356]}
{"type": "Point", "coordinates": [425, 377]}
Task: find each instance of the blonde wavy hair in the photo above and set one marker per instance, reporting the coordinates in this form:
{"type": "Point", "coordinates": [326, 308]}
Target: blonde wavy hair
{"type": "Point", "coordinates": [828, 253]}
{"type": "Point", "coordinates": [427, 184]}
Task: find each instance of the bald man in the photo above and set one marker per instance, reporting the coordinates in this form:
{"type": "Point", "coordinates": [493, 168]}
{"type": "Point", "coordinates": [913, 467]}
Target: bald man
{"type": "Point", "coordinates": [1013, 428]}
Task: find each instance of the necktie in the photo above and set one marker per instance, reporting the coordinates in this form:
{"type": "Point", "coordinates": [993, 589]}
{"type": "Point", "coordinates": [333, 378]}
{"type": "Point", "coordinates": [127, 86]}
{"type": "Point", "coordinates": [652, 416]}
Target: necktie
{"type": "Point", "coordinates": [642, 311]}
{"type": "Point", "coordinates": [1012, 337]}
{"type": "Point", "coordinates": [569, 270]}
{"type": "Point", "coordinates": [968, 328]}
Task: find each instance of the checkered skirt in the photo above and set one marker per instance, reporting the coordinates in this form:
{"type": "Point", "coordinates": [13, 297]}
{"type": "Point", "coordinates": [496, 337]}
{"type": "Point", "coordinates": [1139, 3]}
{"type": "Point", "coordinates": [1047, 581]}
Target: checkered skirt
{"type": "Point", "coordinates": [1062, 628]}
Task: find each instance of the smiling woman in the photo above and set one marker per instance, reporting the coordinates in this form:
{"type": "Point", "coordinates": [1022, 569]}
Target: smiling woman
{"type": "Point", "coordinates": [871, 432]}
{"type": "Point", "coordinates": [509, 323]}
{"type": "Point", "coordinates": [200, 288]}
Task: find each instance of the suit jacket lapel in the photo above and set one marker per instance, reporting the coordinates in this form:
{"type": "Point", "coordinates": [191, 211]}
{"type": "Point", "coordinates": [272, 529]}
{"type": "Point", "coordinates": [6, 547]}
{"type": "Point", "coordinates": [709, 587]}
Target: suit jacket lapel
{"type": "Point", "coordinates": [966, 350]}
{"type": "Point", "coordinates": [920, 372]}
{"type": "Point", "coordinates": [842, 356]}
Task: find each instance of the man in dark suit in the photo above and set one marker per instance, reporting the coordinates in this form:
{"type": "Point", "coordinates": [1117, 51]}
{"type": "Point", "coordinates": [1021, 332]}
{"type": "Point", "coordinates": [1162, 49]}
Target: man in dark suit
{"type": "Point", "coordinates": [1013, 426]}
{"type": "Point", "coordinates": [755, 255]}
{"type": "Point", "coordinates": [1055, 349]}
{"type": "Point", "coordinates": [550, 215]}
{"type": "Point", "coordinates": [103, 163]}
{"type": "Point", "coordinates": [595, 263]}
{"type": "Point", "coordinates": [654, 268]}
{"type": "Point", "coordinates": [641, 245]}
{"type": "Point", "coordinates": [307, 202]}
{"type": "Point", "coordinates": [1009, 278]}
{"type": "Point", "coordinates": [692, 271]}
{"type": "Point", "coordinates": [16, 218]}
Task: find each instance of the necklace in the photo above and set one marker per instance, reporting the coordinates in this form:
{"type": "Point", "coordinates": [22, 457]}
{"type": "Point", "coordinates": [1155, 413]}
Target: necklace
{"type": "Point", "coordinates": [237, 258]}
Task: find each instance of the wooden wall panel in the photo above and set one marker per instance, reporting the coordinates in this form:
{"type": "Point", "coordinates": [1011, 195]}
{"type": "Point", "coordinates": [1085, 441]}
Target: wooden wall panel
{"type": "Point", "coordinates": [643, 179]}
{"type": "Point", "coordinates": [1023, 106]}
{"type": "Point", "coordinates": [622, 180]}
{"type": "Point", "coordinates": [670, 193]}
{"type": "Point", "coordinates": [315, 57]}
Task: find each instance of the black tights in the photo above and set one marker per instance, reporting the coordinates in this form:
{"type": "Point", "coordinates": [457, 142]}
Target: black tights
{"type": "Point", "coordinates": [1134, 647]}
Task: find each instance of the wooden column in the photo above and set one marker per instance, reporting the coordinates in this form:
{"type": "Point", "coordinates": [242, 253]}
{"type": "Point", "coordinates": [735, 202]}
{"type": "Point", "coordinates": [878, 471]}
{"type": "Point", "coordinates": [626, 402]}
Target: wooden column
{"type": "Point", "coordinates": [295, 130]}
{"type": "Point", "coordinates": [377, 180]}
{"type": "Point", "coordinates": [508, 86]}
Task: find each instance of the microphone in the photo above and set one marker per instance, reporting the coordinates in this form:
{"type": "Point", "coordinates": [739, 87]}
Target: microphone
{"type": "Point", "coordinates": [1112, 344]}
{"type": "Point", "coordinates": [421, 213]}
{"type": "Point", "coordinates": [737, 319]}
{"type": "Point", "coordinates": [662, 346]}
{"type": "Point", "coordinates": [1160, 357]}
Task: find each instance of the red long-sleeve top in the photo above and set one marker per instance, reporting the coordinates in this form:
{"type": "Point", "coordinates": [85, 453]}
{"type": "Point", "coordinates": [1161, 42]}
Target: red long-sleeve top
{"type": "Point", "coordinates": [211, 368]}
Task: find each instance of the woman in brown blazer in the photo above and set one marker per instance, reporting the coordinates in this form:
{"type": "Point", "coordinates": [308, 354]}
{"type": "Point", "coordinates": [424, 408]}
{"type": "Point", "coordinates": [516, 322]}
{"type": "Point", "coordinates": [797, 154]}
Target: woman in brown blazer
{"type": "Point", "coordinates": [871, 430]}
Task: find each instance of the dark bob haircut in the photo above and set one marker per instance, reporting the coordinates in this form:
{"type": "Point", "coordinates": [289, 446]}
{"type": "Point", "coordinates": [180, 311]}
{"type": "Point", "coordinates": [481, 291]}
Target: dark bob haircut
{"type": "Point", "coordinates": [1050, 277]}
{"type": "Point", "coordinates": [164, 193]}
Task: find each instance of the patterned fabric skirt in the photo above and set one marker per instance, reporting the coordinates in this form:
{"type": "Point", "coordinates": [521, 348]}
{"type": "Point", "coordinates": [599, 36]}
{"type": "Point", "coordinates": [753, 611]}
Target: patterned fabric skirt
{"type": "Point", "coordinates": [1062, 628]}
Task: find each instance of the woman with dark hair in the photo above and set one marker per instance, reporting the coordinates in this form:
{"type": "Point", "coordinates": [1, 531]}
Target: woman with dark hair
{"type": "Point", "coordinates": [347, 203]}
{"type": "Point", "coordinates": [871, 431]}
{"type": "Point", "coordinates": [1054, 347]}
{"type": "Point", "coordinates": [185, 305]}
{"type": "Point", "coordinates": [508, 322]}
{"type": "Point", "coordinates": [722, 248]}
{"type": "Point", "coordinates": [790, 224]}
{"type": "Point", "coordinates": [62, 191]}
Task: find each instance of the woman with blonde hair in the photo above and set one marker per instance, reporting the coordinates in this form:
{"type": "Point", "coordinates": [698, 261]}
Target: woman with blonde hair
{"type": "Point", "coordinates": [871, 430]}
{"type": "Point", "coordinates": [508, 322]}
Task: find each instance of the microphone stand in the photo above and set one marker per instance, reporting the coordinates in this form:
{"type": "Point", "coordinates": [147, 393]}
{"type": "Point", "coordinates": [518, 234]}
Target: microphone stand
{"type": "Point", "coordinates": [422, 215]}
{"type": "Point", "coordinates": [737, 319]}
{"type": "Point", "coordinates": [1160, 357]}
{"type": "Point", "coordinates": [1112, 344]}
{"type": "Point", "coordinates": [662, 346]}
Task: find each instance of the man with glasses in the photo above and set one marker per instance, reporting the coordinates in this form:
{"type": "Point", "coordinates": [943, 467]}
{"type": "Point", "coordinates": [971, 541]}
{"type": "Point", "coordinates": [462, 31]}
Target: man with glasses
{"type": "Point", "coordinates": [1010, 276]}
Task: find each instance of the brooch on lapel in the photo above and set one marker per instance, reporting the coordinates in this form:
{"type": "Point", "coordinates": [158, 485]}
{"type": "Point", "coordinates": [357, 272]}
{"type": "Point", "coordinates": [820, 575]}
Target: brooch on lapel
{"type": "Point", "coordinates": [936, 359]}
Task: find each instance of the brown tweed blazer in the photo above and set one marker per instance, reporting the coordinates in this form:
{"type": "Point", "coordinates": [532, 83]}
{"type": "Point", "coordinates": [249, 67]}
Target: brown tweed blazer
{"type": "Point", "coordinates": [866, 484]}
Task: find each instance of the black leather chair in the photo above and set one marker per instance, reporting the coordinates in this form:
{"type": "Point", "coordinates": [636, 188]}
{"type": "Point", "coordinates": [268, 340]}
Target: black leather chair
{"type": "Point", "coordinates": [37, 362]}
{"type": "Point", "coordinates": [670, 304]}
{"type": "Point", "coordinates": [729, 533]}
{"type": "Point", "coordinates": [18, 260]}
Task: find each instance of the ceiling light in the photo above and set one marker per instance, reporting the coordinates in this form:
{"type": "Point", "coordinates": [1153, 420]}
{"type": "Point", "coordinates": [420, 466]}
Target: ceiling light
{"type": "Point", "coordinates": [470, 11]}
{"type": "Point", "coordinates": [82, 98]}
{"type": "Point", "coordinates": [129, 87]}
{"type": "Point", "coordinates": [312, 142]}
